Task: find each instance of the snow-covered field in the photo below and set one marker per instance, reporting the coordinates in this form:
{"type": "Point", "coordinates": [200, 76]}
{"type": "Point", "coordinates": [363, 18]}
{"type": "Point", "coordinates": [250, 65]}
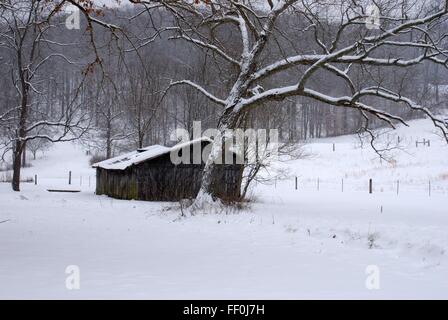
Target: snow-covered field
{"type": "Point", "coordinates": [306, 243]}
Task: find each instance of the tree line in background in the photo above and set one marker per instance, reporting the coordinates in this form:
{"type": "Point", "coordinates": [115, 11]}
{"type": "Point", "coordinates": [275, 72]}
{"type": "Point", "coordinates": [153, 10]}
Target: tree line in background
{"type": "Point", "coordinates": [114, 82]}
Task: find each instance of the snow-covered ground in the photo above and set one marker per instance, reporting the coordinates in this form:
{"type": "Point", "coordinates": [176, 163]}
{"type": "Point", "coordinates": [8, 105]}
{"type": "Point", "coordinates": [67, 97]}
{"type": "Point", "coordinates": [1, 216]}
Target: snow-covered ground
{"type": "Point", "coordinates": [304, 243]}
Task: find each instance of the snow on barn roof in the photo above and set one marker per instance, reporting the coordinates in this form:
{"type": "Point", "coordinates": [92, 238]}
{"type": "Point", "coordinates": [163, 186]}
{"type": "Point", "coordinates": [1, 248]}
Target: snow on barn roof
{"type": "Point", "coordinates": [124, 161]}
{"type": "Point", "coordinates": [185, 144]}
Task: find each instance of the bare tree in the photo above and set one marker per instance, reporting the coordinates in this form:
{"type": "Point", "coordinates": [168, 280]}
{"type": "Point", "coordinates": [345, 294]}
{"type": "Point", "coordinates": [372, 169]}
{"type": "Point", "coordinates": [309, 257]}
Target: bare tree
{"type": "Point", "coordinates": [26, 29]}
{"type": "Point", "coordinates": [110, 117]}
{"type": "Point", "coordinates": [340, 43]}
{"type": "Point", "coordinates": [37, 145]}
{"type": "Point", "coordinates": [142, 98]}
{"type": "Point", "coordinates": [316, 58]}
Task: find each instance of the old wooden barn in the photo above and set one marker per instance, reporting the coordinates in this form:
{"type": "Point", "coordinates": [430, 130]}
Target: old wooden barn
{"type": "Point", "coordinates": [149, 174]}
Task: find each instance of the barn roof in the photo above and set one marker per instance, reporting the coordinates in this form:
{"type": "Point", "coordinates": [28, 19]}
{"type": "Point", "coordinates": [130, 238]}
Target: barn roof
{"type": "Point", "coordinates": [124, 161]}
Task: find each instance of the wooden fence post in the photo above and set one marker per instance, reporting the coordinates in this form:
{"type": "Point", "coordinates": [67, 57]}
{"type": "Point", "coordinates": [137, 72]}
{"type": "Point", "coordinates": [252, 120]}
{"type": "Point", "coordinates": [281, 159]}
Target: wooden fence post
{"type": "Point", "coordinates": [296, 183]}
{"type": "Point", "coordinates": [69, 177]}
{"type": "Point", "coordinates": [370, 186]}
{"type": "Point", "coordinates": [35, 179]}
{"type": "Point", "coordinates": [429, 187]}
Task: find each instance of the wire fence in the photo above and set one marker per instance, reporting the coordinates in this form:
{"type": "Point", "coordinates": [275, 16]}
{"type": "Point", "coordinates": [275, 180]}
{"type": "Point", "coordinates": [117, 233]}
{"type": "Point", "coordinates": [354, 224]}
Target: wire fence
{"type": "Point", "coordinates": [368, 185]}
{"type": "Point", "coordinates": [70, 180]}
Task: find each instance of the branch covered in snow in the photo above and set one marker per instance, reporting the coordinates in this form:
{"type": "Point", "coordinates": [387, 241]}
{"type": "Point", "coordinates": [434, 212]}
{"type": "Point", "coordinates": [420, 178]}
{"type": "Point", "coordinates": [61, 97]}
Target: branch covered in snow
{"type": "Point", "coordinates": [198, 88]}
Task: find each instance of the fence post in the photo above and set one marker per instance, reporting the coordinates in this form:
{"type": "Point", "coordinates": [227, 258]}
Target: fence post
{"type": "Point", "coordinates": [370, 186]}
{"type": "Point", "coordinates": [342, 183]}
{"type": "Point", "coordinates": [35, 179]}
{"type": "Point", "coordinates": [318, 184]}
{"type": "Point", "coordinates": [429, 187]}
{"type": "Point", "coordinates": [296, 183]}
{"type": "Point", "coordinates": [334, 147]}
{"type": "Point", "coordinates": [69, 177]}
{"type": "Point", "coordinates": [398, 186]}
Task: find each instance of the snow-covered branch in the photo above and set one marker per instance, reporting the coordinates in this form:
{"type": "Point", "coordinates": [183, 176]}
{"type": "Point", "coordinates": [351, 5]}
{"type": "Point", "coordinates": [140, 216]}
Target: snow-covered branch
{"type": "Point", "coordinates": [198, 88]}
{"type": "Point", "coordinates": [208, 46]}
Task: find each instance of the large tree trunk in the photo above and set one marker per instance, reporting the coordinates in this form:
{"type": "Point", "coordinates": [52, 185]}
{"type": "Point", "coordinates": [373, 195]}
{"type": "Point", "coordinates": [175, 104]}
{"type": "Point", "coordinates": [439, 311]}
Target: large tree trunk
{"type": "Point", "coordinates": [208, 190]}
{"type": "Point", "coordinates": [108, 149]}
{"type": "Point", "coordinates": [17, 165]}
{"type": "Point", "coordinates": [20, 142]}
{"type": "Point", "coordinates": [141, 137]}
{"type": "Point", "coordinates": [24, 155]}
{"type": "Point", "coordinates": [17, 153]}
{"type": "Point", "coordinates": [109, 138]}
